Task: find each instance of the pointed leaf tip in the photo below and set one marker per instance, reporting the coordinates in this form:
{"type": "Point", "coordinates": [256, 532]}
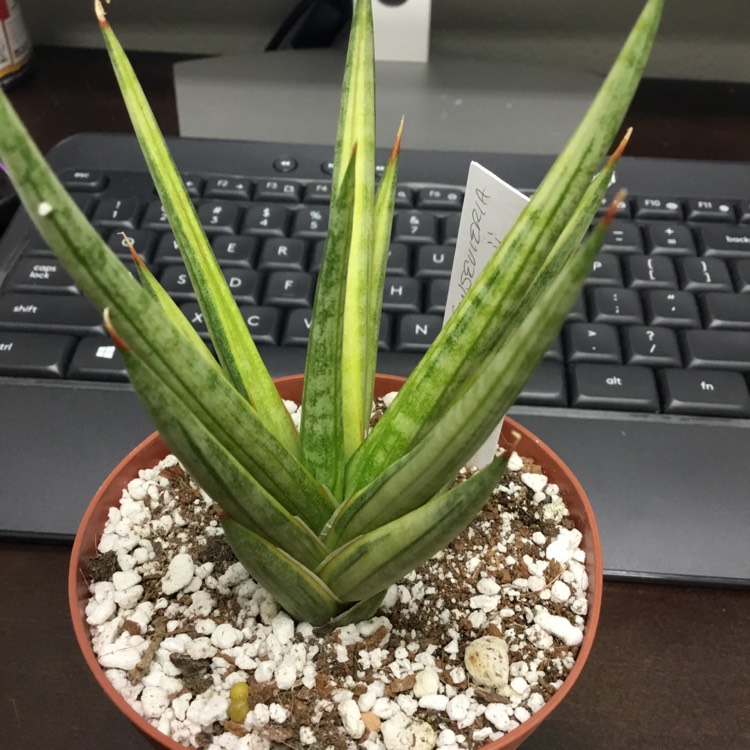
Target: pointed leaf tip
{"type": "Point", "coordinates": [397, 145]}
{"type": "Point", "coordinates": [116, 340]}
{"type": "Point", "coordinates": [101, 15]}
{"type": "Point", "coordinates": [133, 252]}
{"type": "Point", "coordinates": [618, 152]}
{"type": "Point", "coordinates": [609, 216]}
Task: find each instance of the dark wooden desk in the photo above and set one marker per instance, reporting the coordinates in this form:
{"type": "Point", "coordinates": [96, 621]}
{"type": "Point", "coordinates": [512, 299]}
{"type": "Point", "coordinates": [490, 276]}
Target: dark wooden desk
{"type": "Point", "coordinates": [671, 666]}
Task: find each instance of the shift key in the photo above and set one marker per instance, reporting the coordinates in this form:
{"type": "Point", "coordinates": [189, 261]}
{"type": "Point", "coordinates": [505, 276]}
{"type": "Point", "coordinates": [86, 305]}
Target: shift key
{"type": "Point", "coordinates": [46, 313]}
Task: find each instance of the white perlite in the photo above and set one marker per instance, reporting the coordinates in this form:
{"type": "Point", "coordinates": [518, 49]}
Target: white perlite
{"type": "Point", "coordinates": [253, 639]}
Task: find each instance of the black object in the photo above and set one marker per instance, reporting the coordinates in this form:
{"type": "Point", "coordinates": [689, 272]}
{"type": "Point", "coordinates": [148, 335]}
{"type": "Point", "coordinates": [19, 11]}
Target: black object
{"type": "Point", "coordinates": [318, 24]}
{"type": "Point", "coordinates": [8, 200]}
{"type": "Point", "coordinates": [645, 394]}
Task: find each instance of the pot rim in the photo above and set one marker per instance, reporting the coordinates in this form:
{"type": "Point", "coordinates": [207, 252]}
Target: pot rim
{"type": "Point", "coordinates": [153, 445]}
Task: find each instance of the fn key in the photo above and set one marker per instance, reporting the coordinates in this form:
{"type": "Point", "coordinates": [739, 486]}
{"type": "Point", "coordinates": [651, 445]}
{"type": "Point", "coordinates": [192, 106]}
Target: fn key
{"type": "Point", "coordinates": [705, 393]}
{"type": "Point", "coordinates": [34, 355]}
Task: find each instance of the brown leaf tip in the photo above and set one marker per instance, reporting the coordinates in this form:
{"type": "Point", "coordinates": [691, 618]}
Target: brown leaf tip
{"type": "Point", "coordinates": [397, 145]}
{"type": "Point", "coordinates": [101, 16]}
{"type": "Point", "coordinates": [133, 252]}
{"type": "Point", "coordinates": [609, 216]}
{"type": "Point", "coordinates": [116, 340]}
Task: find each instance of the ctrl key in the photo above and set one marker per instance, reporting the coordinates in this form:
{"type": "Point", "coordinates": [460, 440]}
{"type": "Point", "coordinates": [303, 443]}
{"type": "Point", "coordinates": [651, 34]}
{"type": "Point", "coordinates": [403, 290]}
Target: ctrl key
{"type": "Point", "coordinates": [707, 393]}
{"type": "Point", "coordinates": [35, 355]}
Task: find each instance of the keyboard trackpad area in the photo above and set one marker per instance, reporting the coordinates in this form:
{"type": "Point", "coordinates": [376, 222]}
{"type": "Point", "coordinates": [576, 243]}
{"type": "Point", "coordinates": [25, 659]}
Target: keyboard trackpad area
{"type": "Point", "coordinates": [57, 446]}
{"type": "Point", "coordinates": [672, 497]}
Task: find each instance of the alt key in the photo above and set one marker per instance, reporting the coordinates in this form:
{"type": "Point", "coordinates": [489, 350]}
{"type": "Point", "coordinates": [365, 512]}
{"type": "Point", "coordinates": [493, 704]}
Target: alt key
{"type": "Point", "coordinates": [602, 386]}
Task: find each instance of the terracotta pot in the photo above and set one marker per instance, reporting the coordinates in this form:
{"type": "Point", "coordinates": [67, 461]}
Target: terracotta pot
{"type": "Point", "coordinates": [153, 449]}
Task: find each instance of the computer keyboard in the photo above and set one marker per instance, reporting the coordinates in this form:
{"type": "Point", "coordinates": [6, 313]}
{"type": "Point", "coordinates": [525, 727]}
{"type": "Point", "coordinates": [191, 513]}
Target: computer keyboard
{"type": "Point", "coordinates": [650, 369]}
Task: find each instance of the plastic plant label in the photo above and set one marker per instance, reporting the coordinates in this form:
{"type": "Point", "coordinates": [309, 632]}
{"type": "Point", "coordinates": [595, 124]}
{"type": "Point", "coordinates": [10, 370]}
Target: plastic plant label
{"type": "Point", "coordinates": [490, 209]}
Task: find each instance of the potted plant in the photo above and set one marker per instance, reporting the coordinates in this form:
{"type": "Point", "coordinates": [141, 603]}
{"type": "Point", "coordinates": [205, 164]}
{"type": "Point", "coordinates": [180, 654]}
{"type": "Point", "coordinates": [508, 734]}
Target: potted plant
{"type": "Point", "coordinates": [327, 517]}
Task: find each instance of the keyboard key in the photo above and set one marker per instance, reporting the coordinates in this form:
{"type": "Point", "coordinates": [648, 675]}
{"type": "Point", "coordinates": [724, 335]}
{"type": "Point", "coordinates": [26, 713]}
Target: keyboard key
{"type": "Point", "coordinates": [669, 239]}
{"type": "Point", "coordinates": [289, 289]}
{"type": "Point", "coordinates": [595, 386]}
{"type": "Point", "coordinates": [623, 207]}
{"type": "Point", "coordinates": [671, 309]}
{"type": "Point", "coordinates": [34, 354]}
{"type": "Point", "coordinates": [311, 223]}
{"type": "Point", "coordinates": [219, 216]}
{"type": "Point", "coordinates": [727, 311]}
{"type": "Point", "coordinates": [417, 227]}
{"type": "Point", "coordinates": [545, 387]}
{"type": "Point", "coordinates": [318, 192]}
{"type": "Point", "coordinates": [725, 241]}
{"type": "Point", "coordinates": [228, 187]}
{"type": "Point", "coordinates": [402, 295]}
{"type": "Point", "coordinates": [436, 296]}
{"type": "Point", "coordinates": [705, 393]}
{"type": "Point", "coordinates": [703, 275]}
{"type": "Point", "coordinates": [264, 323]}
{"type": "Point", "coordinates": [286, 164]}
{"type": "Point", "coordinates": [192, 311]}
{"type": "Point", "coordinates": [267, 221]}
{"type": "Point", "coordinates": [118, 213]}
{"type": "Point", "coordinates": [167, 250]}
{"type": "Point", "coordinates": [283, 191]}
{"type": "Point", "coordinates": [434, 261]}
{"type": "Point", "coordinates": [415, 333]}
{"type": "Point", "coordinates": [710, 210]}
{"type": "Point", "coordinates": [744, 211]}
{"type": "Point", "coordinates": [283, 255]}
{"type": "Point", "coordinates": [297, 328]}
{"type": "Point", "coordinates": [577, 313]}
{"type": "Point", "coordinates": [652, 346]}
{"type": "Point", "coordinates": [555, 350]}
{"type": "Point", "coordinates": [404, 197]}
{"type": "Point", "coordinates": [244, 283]}
{"type": "Point", "coordinates": [717, 350]}
{"type": "Point", "coordinates": [176, 283]}
{"type": "Point", "coordinates": [399, 260]}
{"type": "Point", "coordinates": [741, 274]}
{"type": "Point", "coordinates": [34, 275]}
{"type": "Point", "coordinates": [143, 240]}
{"type": "Point", "coordinates": [93, 180]}
{"type": "Point", "coordinates": [648, 272]}
{"type": "Point", "coordinates": [622, 238]}
{"type": "Point", "coordinates": [652, 207]}
{"type": "Point", "coordinates": [440, 199]}
{"type": "Point", "coordinates": [155, 217]}
{"type": "Point", "coordinates": [193, 184]}
{"type": "Point", "coordinates": [617, 306]}
{"type": "Point", "coordinates": [47, 313]}
{"type": "Point", "coordinates": [97, 358]}
{"type": "Point", "coordinates": [235, 251]}
{"type": "Point", "coordinates": [605, 271]}
{"type": "Point", "coordinates": [591, 342]}
{"type": "Point", "coordinates": [450, 228]}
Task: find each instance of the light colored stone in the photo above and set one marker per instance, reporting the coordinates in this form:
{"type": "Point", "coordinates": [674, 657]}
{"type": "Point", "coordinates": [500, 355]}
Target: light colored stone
{"type": "Point", "coordinates": [403, 733]}
{"type": "Point", "coordinates": [427, 682]}
{"type": "Point", "coordinates": [486, 660]}
{"type": "Point", "coordinates": [179, 574]}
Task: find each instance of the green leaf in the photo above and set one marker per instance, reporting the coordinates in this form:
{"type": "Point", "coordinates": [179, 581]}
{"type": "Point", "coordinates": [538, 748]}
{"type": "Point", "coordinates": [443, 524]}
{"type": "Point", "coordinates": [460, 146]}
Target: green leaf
{"type": "Point", "coordinates": [357, 126]}
{"type": "Point", "coordinates": [171, 311]}
{"type": "Point", "coordinates": [298, 590]}
{"type": "Point", "coordinates": [322, 426]}
{"type": "Point", "coordinates": [234, 344]}
{"type": "Point", "coordinates": [383, 228]}
{"type": "Point", "coordinates": [467, 336]}
{"type": "Point", "coordinates": [217, 472]}
{"type": "Point", "coordinates": [371, 562]}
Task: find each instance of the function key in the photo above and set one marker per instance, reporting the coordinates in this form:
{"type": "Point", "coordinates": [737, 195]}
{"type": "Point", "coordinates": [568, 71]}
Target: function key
{"type": "Point", "coordinates": [285, 164]}
{"type": "Point", "coordinates": [744, 212]}
{"type": "Point", "coordinates": [318, 192]}
{"type": "Point", "coordinates": [705, 393]}
{"type": "Point", "coordinates": [84, 179]}
{"type": "Point", "coordinates": [622, 211]}
{"type": "Point", "coordinates": [278, 190]}
{"type": "Point", "coordinates": [452, 223]}
{"type": "Point", "coordinates": [658, 208]}
{"type": "Point", "coordinates": [193, 185]}
{"type": "Point", "coordinates": [379, 170]}
{"type": "Point", "coordinates": [326, 167]}
{"type": "Point", "coordinates": [440, 199]}
{"type": "Point", "coordinates": [228, 187]}
{"type": "Point", "coordinates": [710, 210]}
{"type": "Point", "coordinates": [404, 197]}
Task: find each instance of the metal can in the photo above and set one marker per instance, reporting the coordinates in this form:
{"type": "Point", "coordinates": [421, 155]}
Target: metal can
{"type": "Point", "coordinates": [15, 45]}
